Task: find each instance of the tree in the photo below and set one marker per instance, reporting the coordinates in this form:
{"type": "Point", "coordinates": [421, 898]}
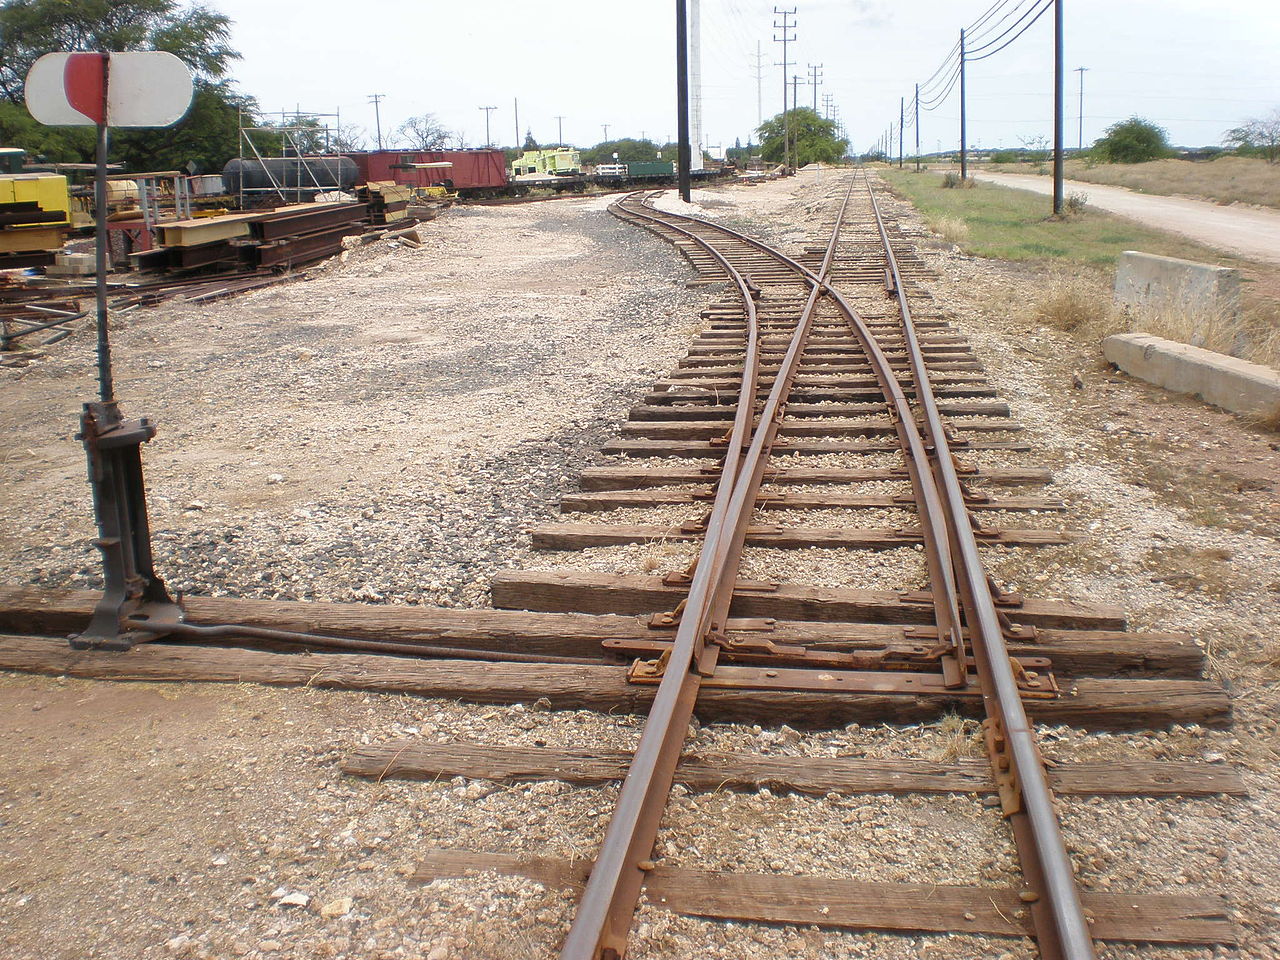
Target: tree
{"type": "Point", "coordinates": [1132, 141]}
{"type": "Point", "coordinates": [815, 138]}
{"type": "Point", "coordinates": [31, 28]}
{"type": "Point", "coordinates": [1259, 136]}
{"type": "Point", "coordinates": [350, 137]}
{"type": "Point", "coordinates": [198, 36]}
{"type": "Point", "coordinates": [208, 135]}
{"type": "Point", "coordinates": [422, 133]}
{"type": "Point", "coordinates": [626, 149]}
{"type": "Point", "coordinates": [529, 142]}
{"type": "Point", "coordinates": [1036, 148]}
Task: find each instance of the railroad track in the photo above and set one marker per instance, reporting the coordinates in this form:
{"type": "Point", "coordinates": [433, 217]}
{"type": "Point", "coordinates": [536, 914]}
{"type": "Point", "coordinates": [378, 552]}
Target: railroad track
{"type": "Point", "coordinates": [821, 385]}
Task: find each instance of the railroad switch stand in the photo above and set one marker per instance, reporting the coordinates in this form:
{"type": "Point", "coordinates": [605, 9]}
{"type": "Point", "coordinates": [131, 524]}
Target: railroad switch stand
{"type": "Point", "coordinates": [132, 591]}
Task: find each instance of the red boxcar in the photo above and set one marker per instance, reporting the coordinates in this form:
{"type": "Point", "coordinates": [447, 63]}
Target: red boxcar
{"type": "Point", "coordinates": [469, 171]}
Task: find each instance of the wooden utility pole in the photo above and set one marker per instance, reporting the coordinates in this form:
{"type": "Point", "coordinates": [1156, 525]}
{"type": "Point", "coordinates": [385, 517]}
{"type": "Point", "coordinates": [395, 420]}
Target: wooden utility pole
{"type": "Point", "coordinates": [787, 29]}
{"type": "Point", "coordinates": [917, 128]}
{"type": "Point", "coordinates": [902, 119]}
{"type": "Point", "coordinates": [964, 145]}
{"type": "Point", "coordinates": [375, 99]}
{"type": "Point", "coordinates": [487, 111]}
{"type": "Point", "coordinates": [1080, 144]}
{"type": "Point", "coordinates": [682, 100]}
{"type": "Point", "coordinates": [1058, 87]}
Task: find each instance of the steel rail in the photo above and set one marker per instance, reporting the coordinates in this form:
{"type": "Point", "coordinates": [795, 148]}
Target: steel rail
{"type": "Point", "coordinates": [928, 500]}
{"type": "Point", "coordinates": [1046, 864]}
{"type": "Point", "coordinates": [608, 903]}
{"type": "Point", "coordinates": [607, 907]}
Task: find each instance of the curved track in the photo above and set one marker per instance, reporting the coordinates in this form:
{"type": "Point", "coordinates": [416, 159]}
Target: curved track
{"type": "Point", "coordinates": [956, 577]}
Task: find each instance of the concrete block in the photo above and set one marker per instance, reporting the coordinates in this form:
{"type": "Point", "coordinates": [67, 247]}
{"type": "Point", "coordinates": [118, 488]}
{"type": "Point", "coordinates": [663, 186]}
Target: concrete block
{"type": "Point", "coordinates": [72, 265]}
{"type": "Point", "coordinates": [1227, 382]}
{"type": "Point", "coordinates": [1146, 281]}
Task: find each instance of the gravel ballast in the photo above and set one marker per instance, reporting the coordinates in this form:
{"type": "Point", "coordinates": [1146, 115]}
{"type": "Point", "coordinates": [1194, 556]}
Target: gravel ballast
{"type": "Point", "coordinates": [419, 414]}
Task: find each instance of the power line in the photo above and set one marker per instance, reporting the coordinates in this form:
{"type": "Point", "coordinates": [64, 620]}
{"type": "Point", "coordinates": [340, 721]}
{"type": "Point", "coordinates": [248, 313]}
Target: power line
{"type": "Point", "coordinates": [788, 36]}
{"type": "Point", "coordinates": [991, 11]}
{"type": "Point", "coordinates": [1038, 14]}
{"type": "Point", "coordinates": [994, 27]}
{"type": "Point", "coordinates": [815, 79]}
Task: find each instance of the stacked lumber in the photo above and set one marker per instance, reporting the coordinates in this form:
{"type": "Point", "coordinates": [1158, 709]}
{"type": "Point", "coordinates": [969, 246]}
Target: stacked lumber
{"type": "Point", "coordinates": [388, 201]}
{"type": "Point", "coordinates": [34, 212]}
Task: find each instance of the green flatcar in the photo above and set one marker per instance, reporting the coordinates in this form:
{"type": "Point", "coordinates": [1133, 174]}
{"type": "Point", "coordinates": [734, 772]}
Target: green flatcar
{"type": "Point", "coordinates": [650, 168]}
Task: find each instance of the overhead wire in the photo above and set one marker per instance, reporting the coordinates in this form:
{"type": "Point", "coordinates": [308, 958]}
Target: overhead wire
{"type": "Point", "coordinates": [932, 103]}
{"type": "Point", "coordinates": [977, 37]}
{"type": "Point", "coordinates": [991, 11]}
{"type": "Point", "coordinates": [1045, 5]}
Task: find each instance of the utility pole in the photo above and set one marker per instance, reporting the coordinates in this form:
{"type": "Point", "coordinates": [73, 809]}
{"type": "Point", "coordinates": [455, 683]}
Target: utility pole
{"type": "Point", "coordinates": [605, 127]}
{"type": "Point", "coordinates": [964, 146]}
{"type": "Point", "coordinates": [682, 100]}
{"type": "Point", "coordinates": [1081, 70]}
{"type": "Point", "coordinates": [375, 99]}
{"type": "Point", "coordinates": [795, 134]}
{"type": "Point", "coordinates": [560, 126]}
{"type": "Point", "coordinates": [1057, 106]}
{"type": "Point", "coordinates": [826, 105]}
{"type": "Point", "coordinates": [815, 78]}
{"type": "Point", "coordinates": [788, 35]}
{"type": "Point", "coordinates": [758, 67]}
{"type": "Point", "coordinates": [487, 111]}
{"type": "Point", "coordinates": [902, 119]}
{"type": "Point", "coordinates": [518, 142]}
{"type": "Point", "coordinates": [917, 128]}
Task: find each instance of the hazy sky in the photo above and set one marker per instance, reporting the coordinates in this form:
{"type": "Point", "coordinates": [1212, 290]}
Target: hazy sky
{"type": "Point", "coordinates": [1194, 66]}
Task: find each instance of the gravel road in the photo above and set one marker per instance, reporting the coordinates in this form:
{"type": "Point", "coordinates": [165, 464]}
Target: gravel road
{"type": "Point", "coordinates": [1247, 231]}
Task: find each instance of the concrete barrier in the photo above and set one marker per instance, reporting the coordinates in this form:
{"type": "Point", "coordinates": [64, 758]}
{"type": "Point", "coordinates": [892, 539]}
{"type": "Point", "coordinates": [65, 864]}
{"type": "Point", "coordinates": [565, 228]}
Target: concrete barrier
{"type": "Point", "coordinates": [1227, 382]}
{"type": "Point", "coordinates": [1146, 281]}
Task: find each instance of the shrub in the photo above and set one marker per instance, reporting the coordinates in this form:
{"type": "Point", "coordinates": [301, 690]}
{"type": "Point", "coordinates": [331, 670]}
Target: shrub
{"type": "Point", "coordinates": [952, 229]}
{"type": "Point", "coordinates": [1074, 203]}
{"type": "Point", "coordinates": [1077, 303]}
{"type": "Point", "coordinates": [1133, 141]}
{"type": "Point", "coordinates": [951, 180]}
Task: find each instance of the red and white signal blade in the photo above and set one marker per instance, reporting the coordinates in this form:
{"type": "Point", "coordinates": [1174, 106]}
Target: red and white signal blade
{"type": "Point", "coordinates": [144, 89]}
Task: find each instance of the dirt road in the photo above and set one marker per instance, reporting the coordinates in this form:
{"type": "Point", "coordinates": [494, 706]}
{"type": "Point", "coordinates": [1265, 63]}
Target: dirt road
{"type": "Point", "coordinates": [1245, 231]}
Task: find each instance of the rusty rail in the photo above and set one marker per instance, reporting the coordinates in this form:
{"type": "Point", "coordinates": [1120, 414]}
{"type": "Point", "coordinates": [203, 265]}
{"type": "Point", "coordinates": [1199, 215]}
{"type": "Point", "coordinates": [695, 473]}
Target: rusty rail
{"type": "Point", "coordinates": [958, 582]}
{"type": "Point", "coordinates": [1061, 927]}
{"type": "Point", "coordinates": [603, 921]}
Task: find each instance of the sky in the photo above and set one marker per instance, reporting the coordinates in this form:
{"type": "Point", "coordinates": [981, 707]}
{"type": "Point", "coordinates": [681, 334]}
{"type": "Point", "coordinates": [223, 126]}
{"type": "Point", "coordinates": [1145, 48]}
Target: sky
{"type": "Point", "coordinates": [1195, 67]}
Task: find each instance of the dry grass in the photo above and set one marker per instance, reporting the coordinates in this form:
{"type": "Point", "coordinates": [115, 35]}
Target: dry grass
{"type": "Point", "coordinates": [952, 229]}
{"type": "Point", "coordinates": [1081, 303]}
{"type": "Point", "coordinates": [958, 737]}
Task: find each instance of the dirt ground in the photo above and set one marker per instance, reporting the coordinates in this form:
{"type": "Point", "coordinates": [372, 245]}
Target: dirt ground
{"type": "Point", "coordinates": [431, 413]}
